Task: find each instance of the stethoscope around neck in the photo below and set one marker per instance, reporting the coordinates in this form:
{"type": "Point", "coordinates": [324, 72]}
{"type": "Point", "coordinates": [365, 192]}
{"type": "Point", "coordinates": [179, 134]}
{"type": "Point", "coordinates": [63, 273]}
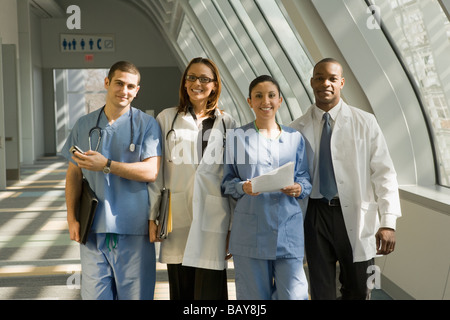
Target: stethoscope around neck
{"type": "Point", "coordinates": [99, 131]}
{"type": "Point", "coordinates": [173, 132]}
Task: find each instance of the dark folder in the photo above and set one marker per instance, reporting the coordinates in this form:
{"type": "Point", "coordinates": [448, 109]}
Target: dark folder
{"type": "Point", "coordinates": [86, 211]}
{"type": "Point", "coordinates": [164, 218]}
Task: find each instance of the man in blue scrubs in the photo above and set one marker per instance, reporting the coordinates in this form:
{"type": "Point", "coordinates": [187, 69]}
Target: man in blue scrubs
{"type": "Point", "coordinates": [121, 156]}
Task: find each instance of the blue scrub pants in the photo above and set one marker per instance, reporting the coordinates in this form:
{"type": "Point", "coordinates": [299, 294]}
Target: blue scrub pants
{"type": "Point", "coordinates": [281, 279]}
{"type": "Point", "coordinates": [118, 267]}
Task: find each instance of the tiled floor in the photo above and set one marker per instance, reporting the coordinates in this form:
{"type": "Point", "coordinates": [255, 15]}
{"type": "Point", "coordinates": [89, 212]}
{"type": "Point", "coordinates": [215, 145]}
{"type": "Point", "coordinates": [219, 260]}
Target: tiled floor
{"type": "Point", "coordinates": [36, 255]}
{"type": "Point", "coordinates": [37, 258]}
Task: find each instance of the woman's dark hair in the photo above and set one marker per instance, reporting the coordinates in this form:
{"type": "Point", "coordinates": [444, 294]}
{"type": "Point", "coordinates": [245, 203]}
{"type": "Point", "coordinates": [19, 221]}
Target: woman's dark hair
{"type": "Point", "coordinates": [263, 78]}
{"type": "Point", "coordinates": [213, 98]}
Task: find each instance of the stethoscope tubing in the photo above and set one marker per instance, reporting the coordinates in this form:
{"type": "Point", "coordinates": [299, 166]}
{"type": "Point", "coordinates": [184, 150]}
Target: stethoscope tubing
{"type": "Point", "coordinates": [99, 130]}
{"type": "Point", "coordinates": [174, 133]}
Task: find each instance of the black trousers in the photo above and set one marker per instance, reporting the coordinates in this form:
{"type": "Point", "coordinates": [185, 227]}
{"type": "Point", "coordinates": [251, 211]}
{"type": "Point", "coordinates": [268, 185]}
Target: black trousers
{"type": "Point", "coordinates": [189, 283]}
{"type": "Point", "coordinates": [326, 243]}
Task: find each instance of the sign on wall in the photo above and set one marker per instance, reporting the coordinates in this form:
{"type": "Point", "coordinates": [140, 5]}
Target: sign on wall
{"type": "Point", "coordinates": [87, 43]}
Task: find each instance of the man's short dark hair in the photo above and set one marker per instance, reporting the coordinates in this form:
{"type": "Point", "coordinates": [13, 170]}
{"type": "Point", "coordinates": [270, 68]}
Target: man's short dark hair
{"type": "Point", "coordinates": [330, 60]}
{"type": "Point", "coordinates": [124, 66]}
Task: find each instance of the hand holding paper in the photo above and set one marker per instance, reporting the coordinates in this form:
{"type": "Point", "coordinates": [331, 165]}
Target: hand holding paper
{"type": "Point", "coordinates": [274, 180]}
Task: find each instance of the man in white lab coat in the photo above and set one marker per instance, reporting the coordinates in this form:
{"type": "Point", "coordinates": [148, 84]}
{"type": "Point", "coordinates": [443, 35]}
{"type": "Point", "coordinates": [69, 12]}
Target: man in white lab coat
{"type": "Point", "coordinates": [357, 220]}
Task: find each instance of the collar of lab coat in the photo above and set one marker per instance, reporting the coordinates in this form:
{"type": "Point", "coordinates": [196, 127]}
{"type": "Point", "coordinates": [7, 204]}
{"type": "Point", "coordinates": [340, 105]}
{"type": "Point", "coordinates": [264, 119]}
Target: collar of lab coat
{"type": "Point", "coordinates": [190, 119]}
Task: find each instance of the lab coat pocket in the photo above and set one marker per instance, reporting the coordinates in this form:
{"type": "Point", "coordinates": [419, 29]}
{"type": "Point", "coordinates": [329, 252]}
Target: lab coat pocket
{"type": "Point", "coordinates": [369, 220]}
{"type": "Point", "coordinates": [216, 217]}
{"type": "Point", "coordinates": [181, 217]}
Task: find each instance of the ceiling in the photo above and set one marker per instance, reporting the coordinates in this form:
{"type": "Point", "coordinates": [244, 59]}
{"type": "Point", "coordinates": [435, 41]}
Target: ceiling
{"type": "Point", "coordinates": [167, 14]}
{"type": "Point", "coordinates": [47, 9]}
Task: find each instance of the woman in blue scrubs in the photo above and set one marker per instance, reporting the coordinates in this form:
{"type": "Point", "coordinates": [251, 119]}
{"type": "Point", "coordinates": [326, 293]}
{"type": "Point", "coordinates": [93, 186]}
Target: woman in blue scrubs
{"type": "Point", "coordinates": [266, 238]}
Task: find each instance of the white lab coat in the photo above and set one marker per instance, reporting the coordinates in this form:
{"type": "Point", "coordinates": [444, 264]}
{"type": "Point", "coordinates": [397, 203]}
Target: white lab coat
{"type": "Point", "coordinates": [201, 215]}
{"type": "Point", "coordinates": [365, 175]}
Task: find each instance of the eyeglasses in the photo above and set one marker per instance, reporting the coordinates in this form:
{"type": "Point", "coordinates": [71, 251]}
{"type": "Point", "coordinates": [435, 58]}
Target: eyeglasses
{"type": "Point", "coordinates": [201, 79]}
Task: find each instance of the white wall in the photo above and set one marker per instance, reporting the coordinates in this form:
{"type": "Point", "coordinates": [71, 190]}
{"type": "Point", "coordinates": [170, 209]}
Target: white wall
{"type": "Point", "coordinates": [37, 87]}
{"type": "Point", "coordinates": [9, 36]}
{"type": "Point", "coordinates": [421, 261]}
{"type": "Point", "coordinates": [137, 38]}
{"type": "Point", "coordinates": [2, 127]}
{"type": "Point", "coordinates": [8, 22]}
{"type": "Point", "coordinates": [11, 114]}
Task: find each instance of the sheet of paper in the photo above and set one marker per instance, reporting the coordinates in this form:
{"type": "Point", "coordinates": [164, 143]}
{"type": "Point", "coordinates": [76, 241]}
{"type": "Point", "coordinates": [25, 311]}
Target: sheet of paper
{"type": "Point", "coordinates": [274, 180]}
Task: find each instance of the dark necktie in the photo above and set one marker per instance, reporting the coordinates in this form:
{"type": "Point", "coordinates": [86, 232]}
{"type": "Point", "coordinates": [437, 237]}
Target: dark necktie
{"type": "Point", "coordinates": [327, 181]}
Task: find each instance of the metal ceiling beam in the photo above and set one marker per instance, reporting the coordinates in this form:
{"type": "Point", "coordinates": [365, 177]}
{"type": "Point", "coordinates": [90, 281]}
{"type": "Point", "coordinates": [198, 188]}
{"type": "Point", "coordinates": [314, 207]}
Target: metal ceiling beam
{"type": "Point", "coordinates": [47, 8]}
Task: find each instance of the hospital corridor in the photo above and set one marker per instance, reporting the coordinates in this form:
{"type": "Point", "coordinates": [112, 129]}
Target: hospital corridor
{"type": "Point", "coordinates": [363, 84]}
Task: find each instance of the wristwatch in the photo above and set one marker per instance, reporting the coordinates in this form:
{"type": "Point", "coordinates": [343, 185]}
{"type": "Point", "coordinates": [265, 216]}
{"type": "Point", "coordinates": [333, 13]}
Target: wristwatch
{"type": "Point", "coordinates": [107, 168]}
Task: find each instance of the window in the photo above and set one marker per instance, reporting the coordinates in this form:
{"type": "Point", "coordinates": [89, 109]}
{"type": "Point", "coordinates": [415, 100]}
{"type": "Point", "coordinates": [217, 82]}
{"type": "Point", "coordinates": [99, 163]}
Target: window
{"type": "Point", "coordinates": [250, 38]}
{"type": "Point", "coordinates": [421, 32]}
{"type": "Point", "coordinates": [262, 35]}
{"type": "Point", "coordinates": [85, 92]}
{"type": "Point", "coordinates": [77, 92]}
{"type": "Point", "coordinates": [191, 48]}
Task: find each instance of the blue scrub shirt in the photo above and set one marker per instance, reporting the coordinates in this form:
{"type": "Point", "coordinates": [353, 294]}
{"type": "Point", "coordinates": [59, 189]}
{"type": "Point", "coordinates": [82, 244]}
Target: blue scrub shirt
{"type": "Point", "coordinates": [270, 225]}
{"type": "Point", "coordinates": [123, 204]}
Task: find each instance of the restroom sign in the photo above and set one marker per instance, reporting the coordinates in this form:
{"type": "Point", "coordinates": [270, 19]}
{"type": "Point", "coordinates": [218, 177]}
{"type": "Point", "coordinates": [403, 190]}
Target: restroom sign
{"type": "Point", "coordinates": [87, 43]}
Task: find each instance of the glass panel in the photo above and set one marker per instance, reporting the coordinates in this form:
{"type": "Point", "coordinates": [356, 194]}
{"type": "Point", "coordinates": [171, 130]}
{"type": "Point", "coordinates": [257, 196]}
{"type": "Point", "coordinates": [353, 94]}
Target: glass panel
{"type": "Point", "coordinates": [292, 45]}
{"type": "Point", "coordinates": [259, 32]}
{"type": "Point", "coordinates": [421, 31]}
{"type": "Point", "coordinates": [85, 92]}
{"type": "Point", "coordinates": [224, 42]}
{"type": "Point", "coordinates": [191, 48]}
{"type": "Point", "coordinates": [189, 44]}
{"type": "Point", "coordinates": [268, 65]}
{"type": "Point", "coordinates": [253, 38]}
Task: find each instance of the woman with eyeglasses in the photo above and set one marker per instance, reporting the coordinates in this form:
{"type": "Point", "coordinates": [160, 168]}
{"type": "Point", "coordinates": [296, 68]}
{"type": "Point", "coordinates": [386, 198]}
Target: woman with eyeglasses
{"type": "Point", "coordinates": [194, 136]}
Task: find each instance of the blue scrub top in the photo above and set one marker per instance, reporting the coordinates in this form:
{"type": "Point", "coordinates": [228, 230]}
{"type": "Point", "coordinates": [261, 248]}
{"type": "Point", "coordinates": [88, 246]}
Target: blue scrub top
{"type": "Point", "coordinates": [270, 225]}
{"type": "Point", "coordinates": [123, 204]}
